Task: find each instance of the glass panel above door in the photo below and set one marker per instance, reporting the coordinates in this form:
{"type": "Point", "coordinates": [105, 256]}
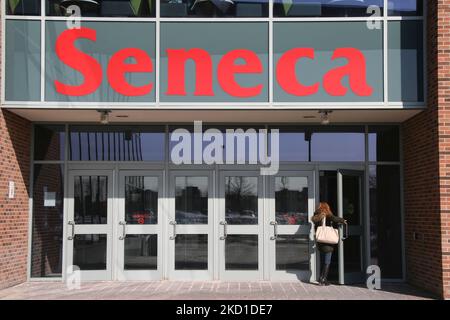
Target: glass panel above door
{"type": "Point", "coordinates": [141, 200]}
{"type": "Point", "coordinates": [191, 200]}
{"type": "Point", "coordinates": [90, 199]}
{"type": "Point", "coordinates": [241, 200]}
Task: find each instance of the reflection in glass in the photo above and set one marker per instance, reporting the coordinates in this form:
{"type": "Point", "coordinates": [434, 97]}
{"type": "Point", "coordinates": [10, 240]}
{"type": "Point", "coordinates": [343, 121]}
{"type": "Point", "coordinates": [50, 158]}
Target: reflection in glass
{"type": "Point", "coordinates": [23, 60]}
{"type": "Point", "coordinates": [405, 8]}
{"type": "Point", "coordinates": [384, 143]}
{"type": "Point", "coordinates": [89, 251]}
{"type": "Point", "coordinates": [23, 7]}
{"type": "Point", "coordinates": [351, 199]}
{"type": "Point", "coordinates": [241, 252]}
{"type": "Point", "coordinates": [191, 252]}
{"type": "Point", "coordinates": [291, 200]}
{"type": "Point", "coordinates": [191, 200]}
{"type": "Point", "coordinates": [91, 199]}
{"type": "Point", "coordinates": [116, 143]}
{"type": "Point", "coordinates": [352, 254]}
{"type": "Point", "coordinates": [214, 8]}
{"type": "Point", "coordinates": [49, 142]}
{"type": "Point", "coordinates": [405, 61]}
{"type": "Point", "coordinates": [103, 8]}
{"type": "Point", "coordinates": [241, 200]}
{"type": "Point", "coordinates": [325, 8]}
{"type": "Point", "coordinates": [141, 252]}
{"type": "Point", "coordinates": [292, 252]}
{"type": "Point", "coordinates": [48, 216]}
{"type": "Point", "coordinates": [141, 200]}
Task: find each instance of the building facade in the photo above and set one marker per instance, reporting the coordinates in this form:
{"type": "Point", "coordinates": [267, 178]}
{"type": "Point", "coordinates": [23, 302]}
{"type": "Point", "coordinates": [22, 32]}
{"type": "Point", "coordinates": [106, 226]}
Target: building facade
{"type": "Point", "coordinates": [146, 140]}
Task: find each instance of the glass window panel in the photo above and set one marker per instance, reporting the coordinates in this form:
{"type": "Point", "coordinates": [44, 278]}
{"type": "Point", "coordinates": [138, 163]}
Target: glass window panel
{"type": "Point", "coordinates": [141, 200]}
{"type": "Point", "coordinates": [384, 143]}
{"type": "Point", "coordinates": [141, 252]}
{"type": "Point", "coordinates": [103, 8]}
{"type": "Point", "coordinates": [49, 142]}
{"type": "Point", "coordinates": [405, 55]}
{"type": "Point", "coordinates": [23, 7]}
{"type": "Point", "coordinates": [328, 189]}
{"type": "Point", "coordinates": [89, 251]}
{"type": "Point", "coordinates": [311, 71]}
{"type": "Point", "coordinates": [48, 216]}
{"type": "Point", "coordinates": [110, 38]}
{"type": "Point", "coordinates": [216, 39]}
{"type": "Point", "coordinates": [23, 60]}
{"type": "Point", "coordinates": [241, 200]}
{"type": "Point", "coordinates": [326, 8]}
{"type": "Point", "coordinates": [338, 145]}
{"type": "Point", "coordinates": [191, 200]}
{"type": "Point", "coordinates": [405, 7]}
{"type": "Point", "coordinates": [116, 143]}
{"type": "Point", "coordinates": [241, 252]}
{"type": "Point", "coordinates": [352, 254]}
{"type": "Point", "coordinates": [91, 199]}
{"type": "Point", "coordinates": [191, 252]}
{"type": "Point", "coordinates": [385, 220]}
{"type": "Point", "coordinates": [351, 199]}
{"type": "Point", "coordinates": [291, 200]}
{"type": "Point", "coordinates": [292, 252]}
{"type": "Point", "coordinates": [293, 145]}
{"type": "Point", "coordinates": [216, 9]}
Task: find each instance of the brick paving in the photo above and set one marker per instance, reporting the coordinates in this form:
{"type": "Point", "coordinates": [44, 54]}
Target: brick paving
{"type": "Point", "coordinates": [208, 290]}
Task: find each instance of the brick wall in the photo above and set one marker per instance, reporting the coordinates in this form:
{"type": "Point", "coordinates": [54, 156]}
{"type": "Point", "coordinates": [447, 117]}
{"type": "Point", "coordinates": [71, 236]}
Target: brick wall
{"type": "Point", "coordinates": [427, 166]}
{"type": "Point", "coordinates": [14, 166]}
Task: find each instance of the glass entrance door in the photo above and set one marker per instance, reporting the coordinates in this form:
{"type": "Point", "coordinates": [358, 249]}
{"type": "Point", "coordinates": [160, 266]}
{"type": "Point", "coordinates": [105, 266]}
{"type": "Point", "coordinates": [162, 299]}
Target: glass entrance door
{"type": "Point", "coordinates": [190, 225]}
{"type": "Point", "coordinates": [289, 236]}
{"type": "Point", "coordinates": [139, 246]}
{"type": "Point", "coordinates": [89, 224]}
{"type": "Point", "coordinates": [241, 219]}
{"type": "Point", "coordinates": [351, 208]}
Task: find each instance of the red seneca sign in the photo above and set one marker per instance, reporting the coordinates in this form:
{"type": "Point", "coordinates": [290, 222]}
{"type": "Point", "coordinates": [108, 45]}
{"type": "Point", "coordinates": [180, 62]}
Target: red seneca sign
{"type": "Point", "coordinates": [227, 68]}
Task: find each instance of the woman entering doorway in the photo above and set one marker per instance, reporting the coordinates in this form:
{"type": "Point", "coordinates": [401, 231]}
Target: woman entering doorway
{"type": "Point", "coordinates": [325, 218]}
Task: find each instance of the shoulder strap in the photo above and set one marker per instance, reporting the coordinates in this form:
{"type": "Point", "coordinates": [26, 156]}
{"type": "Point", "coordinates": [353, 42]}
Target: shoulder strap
{"type": "Point", "coordinates": [324, 221]}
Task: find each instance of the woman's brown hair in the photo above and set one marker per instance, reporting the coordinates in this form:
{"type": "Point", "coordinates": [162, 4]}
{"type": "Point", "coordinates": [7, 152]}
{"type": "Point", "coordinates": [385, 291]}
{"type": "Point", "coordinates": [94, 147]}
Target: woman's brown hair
{"type": "Point", "coordinates": [324, 209]}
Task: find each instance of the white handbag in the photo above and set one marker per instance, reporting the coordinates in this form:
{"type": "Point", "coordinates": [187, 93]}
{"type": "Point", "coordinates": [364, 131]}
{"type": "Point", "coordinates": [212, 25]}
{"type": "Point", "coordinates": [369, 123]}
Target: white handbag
{"type": "Point", "coordinates": [325, 234]}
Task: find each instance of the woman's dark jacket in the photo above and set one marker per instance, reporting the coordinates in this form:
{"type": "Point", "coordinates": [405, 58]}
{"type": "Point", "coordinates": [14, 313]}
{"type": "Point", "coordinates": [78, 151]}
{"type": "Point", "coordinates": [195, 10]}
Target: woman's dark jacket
{"type": "Point", "coordinates": [331, 221]}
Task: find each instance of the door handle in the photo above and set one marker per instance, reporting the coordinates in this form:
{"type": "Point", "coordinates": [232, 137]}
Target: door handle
{"type": "Point", "coordinates": [124, 230]}
{"type": "Point", "coordinates": [174, 224]}
{"type": "Point", "coordinates": [72, 234]}
{"type": "Point", "coordinates": [345, 232]}
{"type": "Point", "coordinates": [225, 231]}
{"type": "Point", "coordinates": [275, 230]}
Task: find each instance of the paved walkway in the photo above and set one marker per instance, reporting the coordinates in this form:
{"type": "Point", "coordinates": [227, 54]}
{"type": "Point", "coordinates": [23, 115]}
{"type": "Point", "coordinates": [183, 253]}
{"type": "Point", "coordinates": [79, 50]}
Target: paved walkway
{"type": "Point", "coordinates": [168, 290]}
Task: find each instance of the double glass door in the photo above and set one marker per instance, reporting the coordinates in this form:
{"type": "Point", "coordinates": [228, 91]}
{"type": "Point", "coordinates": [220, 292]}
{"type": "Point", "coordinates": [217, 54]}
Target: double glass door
{"type": "Point", "coordinates": [205, 224]}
